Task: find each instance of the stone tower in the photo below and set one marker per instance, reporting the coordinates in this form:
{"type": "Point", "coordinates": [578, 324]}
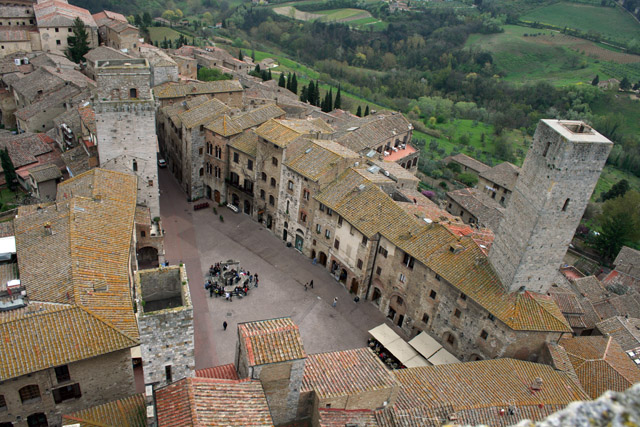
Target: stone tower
{"type": "Point", "coordinates": [125, 124]}
{"type": "Point", "coordinates": [558, 176]}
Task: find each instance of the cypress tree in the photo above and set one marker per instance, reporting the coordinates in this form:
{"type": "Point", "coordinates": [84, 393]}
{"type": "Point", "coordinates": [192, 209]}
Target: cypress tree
{"type": "Point", "coordinates": [596, 80]}
{"type": "Point", "coordinates": [330, 100]}
{"type": "Point", "coordinates": [311, 93]}
{"type": "Point", "coordinates": [264, 76]}
{"type": "Point", "coordinates": [359, 112]}
{"type": "Point", "coordinates": [240, 55]}
{"type": "Point", "coordinates": [294, 84]}
{"type": "Point", "coordinates": [303, 94]}
{"type": "Point", "coordinates": [338, 103]}
{"type": "Point", "coordinates": [78, 42]}
{"type": "Point", "coordinates": [281, 81]}
{"type": "Point", "coordinates": [269, 75]}
{"type": "Point", "coordinates": [257, 69]}
{"type": "Point", "coordinates": [288, 86]}
{"type": "Point", "coordinates": [366, 111]}
{"type": "Point", "coordinates": [9, 170]}
{"type": "Point", "coordinates": [316, 95]}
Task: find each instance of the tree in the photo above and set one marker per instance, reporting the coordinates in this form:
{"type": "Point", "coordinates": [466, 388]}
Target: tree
{"type": "Point", "coordinates": [618, 189]}
{"type": "Point", "coordinates": [257, 69]}
{"type": "Point", "coordinates": [146, 19]}
{"type": "Point", "coordinates": [330, 100]}
{"type": "Point", "coordinates": [9, 170]}
{"type": "Point", "coordinates": [468, 179]}
{"type": "Point", "coordinates": [137, 19]}
{"type": "Point", "coordinates": [595, 80]}
{"type": "Point", "coordinates": [169, 15]}
{"type": "Point", "coordinates": [253, 55]}
{"type": "Point", "coordinates": [359, 112]}
{"type": "Point", "coordinates": [316, 94]}
{"type": "Point", "coordinates": [281, 81]}
{"type": "Point", "coordinates": [366, 111]}
{"type": "Point", "coordinates": [288, 82]}
{"type": "Point", "coordinates": [338, 102]}
{"type": "Point", "coordinates": [78, 42]}
{"type": "Point", "coordinates": [625, 84]}
{"type": "Point", "coordinates": [311, 93]}
{"type": "Point", "coordinates": [207, 17]}
{"type": "Point", "coordinates": [269, 75]}
{"type": "Point", "coordinates": [303, 94]}
{"type": "Point", "coordinates": [620, 221]}
{"type": "Point", "coordinates": [294, 84]}
{"type": "Point", "coordinates": [240, 55]}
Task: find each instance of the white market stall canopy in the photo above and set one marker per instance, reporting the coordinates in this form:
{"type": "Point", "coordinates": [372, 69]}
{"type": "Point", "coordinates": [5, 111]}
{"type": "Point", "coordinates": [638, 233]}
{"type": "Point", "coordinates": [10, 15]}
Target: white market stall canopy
{"type": "Point", "coordinates": [397, 346]}
{"type": "Point", "coordinates": [432, 351]}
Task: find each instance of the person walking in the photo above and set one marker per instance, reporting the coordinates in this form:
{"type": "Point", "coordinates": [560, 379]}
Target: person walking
{"type": "Point", "coordinates": [311, 284]}
{"type": "Point", "coordinates": [224, 325]}
{"type": "Point", "coordinates": [335, 302]}
{"type": "Point", "coordinates": [305, 287]}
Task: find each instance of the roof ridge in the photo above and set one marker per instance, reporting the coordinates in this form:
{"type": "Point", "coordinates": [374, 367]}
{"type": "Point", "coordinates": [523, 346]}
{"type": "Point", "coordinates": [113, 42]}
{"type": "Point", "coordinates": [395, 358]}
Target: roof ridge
{"type": "Point", "coordinates": [106, 322]}
{"type": "Point", "coordinates": [40, 313]}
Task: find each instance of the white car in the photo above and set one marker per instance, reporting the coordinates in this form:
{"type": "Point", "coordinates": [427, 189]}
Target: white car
{"type": "Point", "coordinates": [162, 163]}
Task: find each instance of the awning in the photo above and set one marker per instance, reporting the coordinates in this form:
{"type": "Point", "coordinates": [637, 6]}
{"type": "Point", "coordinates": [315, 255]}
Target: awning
{"type": "Point", "coordinates": [443, 357]}
{"type": "Point", "coordinates": [398, 347]}
{"type": "Point", "coordinates": [8, 245]}
{"type": "Point", "coordinates": [432, 350]}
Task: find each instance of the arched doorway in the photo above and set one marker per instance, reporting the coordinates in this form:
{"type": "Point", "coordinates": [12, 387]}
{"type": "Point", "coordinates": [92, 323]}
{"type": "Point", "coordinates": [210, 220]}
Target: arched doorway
{"type": "Point", "coordinates": [269, 221]}
{"type": "Point", "coordinates": [37, 420]}
{"type": "Point", "coordinates": [322, 259]}
{"type": "Point", "coordinates": [376, 296]}
{"type": "Point", "coordinates": [208, 192]}
{"type": "Point", "coordinates": [313, 254]}
{"type": "Point", "coordinates": [299, 242]}
{"type": "Point", "coordinates": [216, 196]}
{"type": "Point", "coordinates": [247, 207]}
{"type": "Point", "coordinates": [343, 276]}
{"type": "Point", "coordinates": [285, 232]}
{"type": "Point", "coordinates": [147, 257]}
{"type": "Point", "coordinates": [354, 286]}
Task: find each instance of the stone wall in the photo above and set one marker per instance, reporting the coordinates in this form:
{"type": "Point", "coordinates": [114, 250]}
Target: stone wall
{"type": "Point", "coordinates": [96, 388]}
{"type": "Point", "coordinates": [281, 383]}
{"type": "Point", "coordinates": [163, 74]}
{"type": "Point", "coordinates": [266, 152]}
{"type": "Point", "coordinates": [557, 179]}
{"type": "Point", "coordinates": [166, 334]}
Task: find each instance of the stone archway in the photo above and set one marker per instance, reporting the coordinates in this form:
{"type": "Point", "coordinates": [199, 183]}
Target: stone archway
{"type": "Point", "coordinates": [322, 259]}
{"type": "Point", "coordinates": [148, 257]}
{"type": "Point", "coordinates": [354, 286]}
{"type": "Point", "coordinates": [376, 296]}
{"type": "Point", "coordinates": [343, 276]}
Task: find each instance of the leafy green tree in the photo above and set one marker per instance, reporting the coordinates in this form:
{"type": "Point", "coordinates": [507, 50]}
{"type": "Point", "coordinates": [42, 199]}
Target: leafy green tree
{"type": "Point", "coordinates": [170, 15]}
{"type": "Point", "coordinates": [137, 19]}
{"type": "Point", "coordinates": [359, 111]}
{"type": "Point", "coordinates": [281, 81]}
{"type": "Point", "coordinates": [366, 111]}
{"type": "Point", "coordinates": [257, 69]}
{"type": "Point", "coordinates": [620, 222]}
{"type": "Point", "coordinates": [618, 189]}
{"type": "Point", "coordinates": [595, 80]}
{"type": "Point", "coordinates": [468, 179]}
{"type": "Point", "coordinates": [338, 102]}
{"type": "Point", "coordinates": [212, 74]}
{"type": "Point", "coordinates": [208, 18]}
{"type": "Point", "coordinates": [625, 84]}
{"type": "Point", "coordinates": [9, 170]}
{"type": "Point", "coordinates": [294, 84]}
{"type": "Point", "coordinates": [146, 19]}
{"type": "Point", "coordinates": [78, 42]}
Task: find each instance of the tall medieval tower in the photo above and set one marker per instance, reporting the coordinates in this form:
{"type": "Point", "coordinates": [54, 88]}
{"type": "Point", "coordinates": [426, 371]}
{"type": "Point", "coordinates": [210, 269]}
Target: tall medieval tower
{"type": "Point", "coordinates": [558, 176]}
{"type": "Point", "coordinates": [125, 124]}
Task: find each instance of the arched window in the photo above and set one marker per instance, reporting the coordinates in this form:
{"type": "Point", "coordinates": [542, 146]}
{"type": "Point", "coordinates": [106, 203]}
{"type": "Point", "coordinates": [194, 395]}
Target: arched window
{"type": "Point", "coordinates": [272, 201]}
{"type": "Point", "coordinates": [262, 194]}
{"type": "Point", "coordinates": [290, 185]}
{"type": "Point", "coordinates": [29, 393]}
{"type": "Point", "coordinates": [133, 93]}
{"type": "Point", "coordinates": [135, 166]}
{"type": "Point", "coordinates": [546, 149]}
{"type": "Point", "coordinates": [201, 171]}
{"type": "Point", "coordinates": [263, 177]}
{"type": "Point", "coordinates": [273, 182]}
{"type": "Point", "coordinates": [566, 205]}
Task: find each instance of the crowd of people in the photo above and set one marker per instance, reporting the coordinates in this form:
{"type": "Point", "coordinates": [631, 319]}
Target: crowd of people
{"type": "Point", "coordinates": [384, 354]}
{"type": "Point", "coordinates": [227, 280]}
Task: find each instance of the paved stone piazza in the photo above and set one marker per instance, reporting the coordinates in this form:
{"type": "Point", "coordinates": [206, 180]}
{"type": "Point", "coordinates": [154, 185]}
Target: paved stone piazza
{"type": "Point", "coordinates": [199, 239]}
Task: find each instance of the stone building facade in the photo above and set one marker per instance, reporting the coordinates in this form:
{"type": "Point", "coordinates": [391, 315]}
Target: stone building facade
{"type": "Point", "coordinates": [165, 321]}
{"type": "Point", "coordinates": [558, 176]}
{"type": "Point", "coordinates": [125, 124]}
{"type": "Point", "coordinates": [47, 394]}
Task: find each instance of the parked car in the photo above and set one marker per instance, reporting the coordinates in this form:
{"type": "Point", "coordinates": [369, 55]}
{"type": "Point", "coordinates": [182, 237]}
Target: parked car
{"type": "Point", "coordinates": [162, 163]}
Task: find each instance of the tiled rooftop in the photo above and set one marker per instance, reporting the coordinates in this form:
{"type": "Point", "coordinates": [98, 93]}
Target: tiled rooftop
{"type": "Point", "coordinates": [247, 142]}
{"type": "Point", "coordinates": [343, 373]}
{"type": "Point", "coordinates": [271, 341]}
{"type": "Point", "coordinates": [179, 90]}
{"type": "Point", "coordinates": [313, 158]}
{"type": "Point", "coordinates": [203, 113]}
{"type": "Point", "coordinates": [104, 53]}
{"type": "Point", "coordinates": [371, 131]}
{"type": "Point", "coordinates": [222, 372]}
{"type": "Point", "coordinates": [45, 173]}
{"type": "Point", "coordinates": [628, 261]}
{"type": "Point", "coordinates": [227, 126]}
{"type": "Point", "coordinates": [54, 13]}
{"type": "Point", "coordinates": [601, 364]}
{"type": "Point", "coordinates": [626, 331]}
{"type": "Point", "coordinates": [212, 402]}
{"type": "Point", "coordinates": [469, 162]}
{"type": "Point", "coordinates": [25, 148]}
{"type": "Point", "coordinates": [504, 174]}
{"type": "Point", "coordinates": [283, 132]}
{"type": "Point", "coordinates": [331, 417]}
{"type": "Point", "coordinates": [128, 412]}
{"type": "Point", "coordinates": [488, 211]}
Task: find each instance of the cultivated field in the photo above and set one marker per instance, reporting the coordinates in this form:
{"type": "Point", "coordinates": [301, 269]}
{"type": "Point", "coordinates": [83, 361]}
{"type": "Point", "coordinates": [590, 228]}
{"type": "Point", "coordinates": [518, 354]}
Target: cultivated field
{"type": "Point", "coordinates": [613, 23]}
{"type": "Point", "coordinates": [158, 34]}
{"type": "Point", "coordinates": [355, 17]}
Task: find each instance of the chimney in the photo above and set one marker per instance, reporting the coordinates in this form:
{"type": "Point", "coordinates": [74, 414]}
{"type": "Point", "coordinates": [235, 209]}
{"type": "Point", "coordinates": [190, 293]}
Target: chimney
{"type": "Point", "coordinates": [536, 384]}
{"type": "Point", "coordinates": [47, 229]}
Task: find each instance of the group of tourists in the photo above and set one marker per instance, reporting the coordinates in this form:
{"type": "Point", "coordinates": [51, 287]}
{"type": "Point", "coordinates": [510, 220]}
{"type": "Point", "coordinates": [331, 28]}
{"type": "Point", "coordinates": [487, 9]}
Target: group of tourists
{"type": "Point", "coordinates": [227, 279]}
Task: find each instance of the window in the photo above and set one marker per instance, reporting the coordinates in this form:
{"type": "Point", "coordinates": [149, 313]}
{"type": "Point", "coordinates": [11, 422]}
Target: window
{"type": "Point", "coordinates": [329, 212]}
{"type": "Point", "coordinates": [463, 297]}
{"type": "Point", "coordinates": [218, 152]}
{"type": "Point", "coordinates": [29, 393]}
{"type": "Point", "coordinates": [425, 318]}
{"type": "Point", "coordinates": [438, 277]}
{"type": "Point", "coordinates": [58, 42]}
{"type": "Point", "coordinates": [150, 182]}
{"type": "Point", "coordinates": [263, 177]}
{"type": "Point", "coordinates": [318, 228]}
{"type": "Point", "coordinates": [546, 149]}
{"type": "Point", "coordinates": [457, 313]}
{"type": "Point", "coordinates": [566, 205]}
{"type": "Point", "coordinates": [484, 334]}
{"type": "Point", "coordinates": [360, 264]}
{"type": "Point", "coordinates": [62, 372]}
{"type": "Point", "coordinates": [403, 278]}
{"type": "Point", "coordinates": [378, 271]}
{"type": "Point", "coordinates": [143, 233]}
{"type": "Point", "coordinates": [133, 92]}
{"type": "Point", "coordinates": [272, 201]}
{"type": "Point", "coordinates": [336, 244]}
{"type": "Point", "coordinates": [339, 221]}
{"type": "Point", "coordinates": [135, 166]}
{"type": "Point", "coordinates": [71, 391]}
{"type": "Point", "coordinates": [250, 164]}
{"type": "Point", "coordinates": [273, 182]}
{"type": "Point", "coordinates": [167, 373]}
{"type": "Point", "coordinates": [327, 233]}
{"type": "Point", "coordinates": [57, 30]}
{"type": "Point", "coordinates": [37, 420]}
{"type": "Point", "coordinates": [382, 251]}
{"type": "Point", "coordinates": [399, 300]}
{"type": "Point", "coordinates": [290, 185]}
{"type": "Point", "coordinates": [450, 339]}
{"type": "Point", "coordinates": [321, 207]}
{"type": "Point", "coordinates": [303, 217]}
{"type": "Point", "coordinates": [236, 158]}
{"type": "Point", "coordinates": [3, 403]}
{"type": "Point", "coordinates": [364, 241]}
{"type": "Point", "coordinates": [262, 195]}
{"type": "Point", "coordinates": [305, 194]}
{"type": "Point", "coordinates": [201, 171]}
{"type": "Point", "coordinates": [491, 317]}
{"type": "Point", "coordinates": [432, 295]}
{"type": "Point", "coordinates": [274, 161]}
{"type": "Point", "coordinates": [408, 260]}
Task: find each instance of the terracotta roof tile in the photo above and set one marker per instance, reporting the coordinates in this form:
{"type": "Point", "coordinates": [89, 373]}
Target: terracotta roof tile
{"type": "Point", "coordinates": [372, 130]}
{"type": "Point", "coordinates": [222, 372]}
{"type": "Point", "coordinates": [227, 126]}
{"type": "Point", "coordinates": [203, 113]}
{"type": "Point", "coordinates": [330, 417]}
{"type": "Point", "coordinates": [504, 174]}
{"type": "Point", "coordinates": [179, 90]}
{"type": "Point", "coordinates": [313, 158]}
{"type": "Point", "coordinates": [471, 163]}
{"type": "Point", "coordinates": [128, 412]}
{"type": "Point", "coordinates": [343, 373]}
{"type": "Point", "coordinates": [628, 261]}
{"type": "Point", "coordinates": [487, 210]}
{"type": "Point", "coordinates": [626, 331]}
{"type": "Point", "coordinates": [212, 402]}
{"type": "Point", "coordinates": [45, 173]}
{"type": "Point", "coordinates": [283, 132]}
{"type": "Point", "coordinates": [247, 143]}
{"type": "Point", "coordinates": [271, 341]}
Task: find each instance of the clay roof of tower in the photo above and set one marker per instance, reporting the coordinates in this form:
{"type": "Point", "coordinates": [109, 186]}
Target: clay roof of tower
{"type": "Point", "coordinates": [370, 210]}
{"type": "Point", "coordinates": [601, 364]}
{"type": "Point", "coordinates": [178, 90]}
{"type": "Point", "coordinates": [213, 402]}
{"type": "Point", "coordinates": [344, 373]}
{"type": "Point", "coordinates": [476, 392]}
{"type": "Point", "coordinates": [504, 174]}
{"type": "Point", "coordinates": [104, 53]}
{"type": "Point", "coordinates": [55, 13]}
{"type": "Point", "coordinates": [271, 341]}
{"type": "Point", "coordinates": [130, 412]}
{"type": "Point", "coordinates": [105, 16]}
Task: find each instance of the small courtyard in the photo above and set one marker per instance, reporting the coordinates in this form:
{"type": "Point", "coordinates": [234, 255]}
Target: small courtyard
{"type": "Point", "coordinates": [199, 239]}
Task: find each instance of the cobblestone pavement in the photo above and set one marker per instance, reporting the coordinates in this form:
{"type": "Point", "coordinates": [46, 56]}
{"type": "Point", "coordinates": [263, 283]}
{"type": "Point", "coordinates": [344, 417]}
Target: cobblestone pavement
{"type": "Point", "coordinates": [199, 239]}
